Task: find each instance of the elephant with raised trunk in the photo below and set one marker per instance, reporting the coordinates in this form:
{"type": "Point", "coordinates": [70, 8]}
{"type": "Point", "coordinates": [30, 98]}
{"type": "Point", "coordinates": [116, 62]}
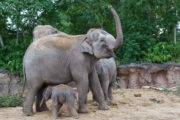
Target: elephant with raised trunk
{"type": "Point", "coordinates": [62, 58]}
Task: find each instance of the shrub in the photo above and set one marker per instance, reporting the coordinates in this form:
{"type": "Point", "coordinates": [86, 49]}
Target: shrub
{"type": "Point", "coordinates": [163, 52]}
{"type": "Point", "coordinates": [11, 100]}
{"type": "Point", "coordinates": [11, 57]}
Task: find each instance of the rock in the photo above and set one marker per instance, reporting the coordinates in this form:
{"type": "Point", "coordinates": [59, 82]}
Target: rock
{"type": "Point", "coordinates": [9, 84]}
{"type": "Point", "coordinates": [137, 95]}
{"type": "Point", "coordinates": [156, 75]}
{"type": "Point", "coordinates": [4, 84]}
{"type": "Point", "coordinates": [15, 85]}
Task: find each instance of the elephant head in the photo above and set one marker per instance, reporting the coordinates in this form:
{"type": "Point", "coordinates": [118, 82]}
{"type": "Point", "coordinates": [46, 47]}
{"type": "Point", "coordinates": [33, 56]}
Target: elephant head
{"type": "Point", "coordinates": [100, 43]}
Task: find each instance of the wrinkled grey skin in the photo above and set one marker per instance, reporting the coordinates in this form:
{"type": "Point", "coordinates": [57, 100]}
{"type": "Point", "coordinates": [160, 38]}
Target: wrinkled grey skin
{"type": "Point", "coordinates": [60, 59]}
{"type": "Point", "coordinates": [60, 94]}
{"type": "Point", "coordinates": [106, 69]}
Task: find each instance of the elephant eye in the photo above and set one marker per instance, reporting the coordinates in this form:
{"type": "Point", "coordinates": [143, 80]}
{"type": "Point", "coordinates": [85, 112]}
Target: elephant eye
{"type": "Point", "coordinates": [102, 40]}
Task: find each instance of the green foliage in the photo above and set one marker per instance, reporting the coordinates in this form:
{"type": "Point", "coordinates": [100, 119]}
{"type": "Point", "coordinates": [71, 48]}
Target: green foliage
{"type": "Point", "coordinates": [147, 26]}
{"type": "Point", "coordinates": [11, 57]}
{"type": "Point", "coordinates": [163, 52]}
{"type": "Point", "coordinates": [11, 100]}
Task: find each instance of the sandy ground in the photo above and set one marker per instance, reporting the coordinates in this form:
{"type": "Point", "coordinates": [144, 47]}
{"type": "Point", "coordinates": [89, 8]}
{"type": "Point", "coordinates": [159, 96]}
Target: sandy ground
{"type": "Point", "coordinates": [126, 107]}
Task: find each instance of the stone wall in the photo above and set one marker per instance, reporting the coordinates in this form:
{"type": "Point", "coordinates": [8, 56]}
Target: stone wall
{"type": "Point", "coordinates": [9, 84]}
{"type": "Point", "coordinates": [156, 75]}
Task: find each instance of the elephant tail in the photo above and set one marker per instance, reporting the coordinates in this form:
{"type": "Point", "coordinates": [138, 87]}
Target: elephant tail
{"type": "Point", "coordinates": [41, 101]}
{"type": "Point", "coordinates": [24, 84]}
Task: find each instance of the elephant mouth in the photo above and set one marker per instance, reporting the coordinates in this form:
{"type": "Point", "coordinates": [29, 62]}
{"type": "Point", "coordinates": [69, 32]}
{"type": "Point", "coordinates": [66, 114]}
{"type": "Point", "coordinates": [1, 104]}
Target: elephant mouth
{"type": "Point", "coordinates": [113, 55]}
{"type": "Point", "coordinates": [110, 55]}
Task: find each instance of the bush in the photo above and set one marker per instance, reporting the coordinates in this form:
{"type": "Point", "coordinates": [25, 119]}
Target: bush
{"type": "Point", "coordinates": [11, 57]}
{"type": "Point", "coordinates": [163, 52]}
{"type": "Point", "coordinates": [11, 100]}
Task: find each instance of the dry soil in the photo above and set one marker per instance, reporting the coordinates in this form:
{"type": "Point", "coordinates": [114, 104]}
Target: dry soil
{"type": "Point", "coordinates": [139, 104]}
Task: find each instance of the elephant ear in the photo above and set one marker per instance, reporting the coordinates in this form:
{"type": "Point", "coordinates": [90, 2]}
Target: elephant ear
{"type": "Point", "coordinates": [86, 47]}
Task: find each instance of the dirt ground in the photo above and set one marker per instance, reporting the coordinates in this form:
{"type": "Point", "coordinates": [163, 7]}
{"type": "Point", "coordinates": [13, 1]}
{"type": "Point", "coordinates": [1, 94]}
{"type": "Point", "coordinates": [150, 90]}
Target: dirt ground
{"type": "Point", "coordinates": [139, 104]}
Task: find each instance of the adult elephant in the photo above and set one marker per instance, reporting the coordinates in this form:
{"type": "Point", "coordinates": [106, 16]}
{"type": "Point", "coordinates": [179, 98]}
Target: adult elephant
{"type": "Point", "coordinates": [106, 68]}
{"type": "Point", "coordinates": [62, 58]}
{"type": "Point", "coordinates": [44, 30]}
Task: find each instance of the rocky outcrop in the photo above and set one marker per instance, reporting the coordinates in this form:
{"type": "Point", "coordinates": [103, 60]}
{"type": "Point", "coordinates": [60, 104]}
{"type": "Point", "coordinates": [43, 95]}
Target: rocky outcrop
{"type": "Point", "coordinates": [156, 75]}
{"type": "Point", "coordinates": [9, 84]}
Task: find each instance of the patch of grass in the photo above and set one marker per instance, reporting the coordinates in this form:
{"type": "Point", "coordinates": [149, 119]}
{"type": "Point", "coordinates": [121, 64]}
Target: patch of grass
{"type": "Point", "coordinates": [164, 90]}
{"type": "Point", "coordinates": [177, 92]}
{"type": "Point", "coordinates": [11, 100]}
{"type": "Point", "coordinates": [154, 100]}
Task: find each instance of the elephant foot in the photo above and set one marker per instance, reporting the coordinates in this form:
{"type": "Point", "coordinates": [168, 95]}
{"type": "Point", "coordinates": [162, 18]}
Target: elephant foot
{"type": "Point", "coordinates": [76, 117]}
{"type": "Point", "coordinates": [103, 107]}
{"type": "Point", "coordinates": [109, 103]}
{"type": "Point", "coordinates": [83, 109]}
{"type": "Point", "coordinates": [27, 112]}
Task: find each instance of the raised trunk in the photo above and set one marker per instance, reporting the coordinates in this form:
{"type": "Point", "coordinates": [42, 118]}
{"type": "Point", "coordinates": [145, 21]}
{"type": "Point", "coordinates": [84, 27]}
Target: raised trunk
{"type": "Point", "coordinates": [119, 38]}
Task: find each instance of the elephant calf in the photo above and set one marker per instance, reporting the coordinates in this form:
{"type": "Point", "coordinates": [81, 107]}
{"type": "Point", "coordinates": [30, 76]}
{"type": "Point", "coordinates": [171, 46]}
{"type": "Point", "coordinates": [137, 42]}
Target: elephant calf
{"type": "Point", "coordinates": [106, 70]}
{"type": "Point", "coordinates": [60, 94]}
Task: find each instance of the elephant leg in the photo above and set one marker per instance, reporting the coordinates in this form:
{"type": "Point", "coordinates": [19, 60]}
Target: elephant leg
{"type": "Point", "coordinates": [97, 90]}
{"type": "Point", "coordinates": [87, 96]}
{"type": "Point", "coordinates": [105, 86]}
{"type": "Point", "coordinates": [81, 78]}
{"type": "Point", "coordinates": [43, 107]}
{"type": "Point", "coordinates": [94, 98]}
{"type": "Point", "coordinates": [55, 107]}
{"type": "Point", "coordinates": [28, 103]}
{"type": "Point", "coordinates": [82, 95]}
{"type": "Point", "coordinates": [110, 96]}
{"type": "Point", "coordinates": [111, 86]}
{"type": "Point", "coordinates": [71, 107]}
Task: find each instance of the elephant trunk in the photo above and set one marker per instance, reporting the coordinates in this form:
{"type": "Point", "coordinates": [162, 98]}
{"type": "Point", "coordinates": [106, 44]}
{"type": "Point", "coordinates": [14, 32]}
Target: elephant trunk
{"type": "Point", "coordinates": [119, 38]}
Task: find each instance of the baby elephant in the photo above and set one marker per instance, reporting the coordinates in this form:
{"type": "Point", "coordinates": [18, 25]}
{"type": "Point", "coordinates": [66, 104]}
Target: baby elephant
{"type": "Point", "coordinates": [60, 94]}
{"type": "Point", "coordinates": [106, 70]}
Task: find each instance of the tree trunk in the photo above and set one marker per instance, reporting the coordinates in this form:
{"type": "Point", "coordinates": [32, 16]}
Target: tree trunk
{"type": "Point", "coordinates": [1, 41]}
{"type": "Point", "coordinates": [24, 39]}
{"type": "Point", "coordinates": [175, 35]}
{"type": "Point", "coordinates": [17, 36]}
